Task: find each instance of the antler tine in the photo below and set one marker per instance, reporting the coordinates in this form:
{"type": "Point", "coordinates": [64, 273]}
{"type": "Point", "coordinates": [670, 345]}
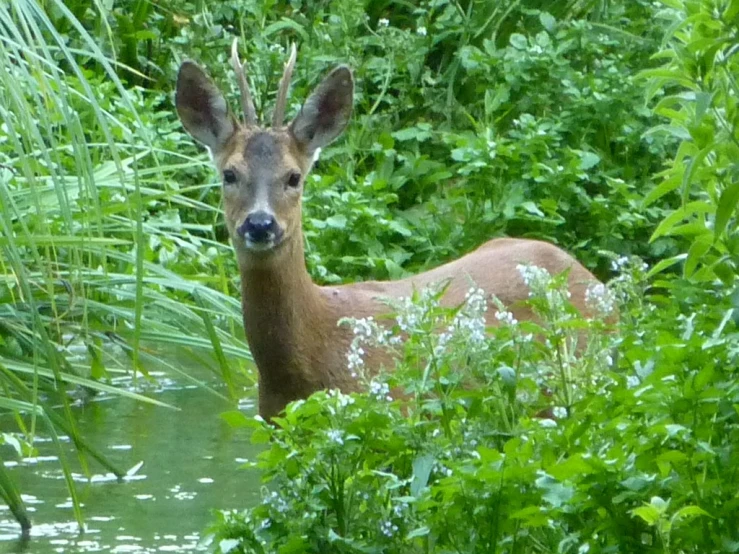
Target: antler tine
{"type": "Point", "coordinates": [247, 104]}
{"type": "Point", "coordinates": [279, 114]}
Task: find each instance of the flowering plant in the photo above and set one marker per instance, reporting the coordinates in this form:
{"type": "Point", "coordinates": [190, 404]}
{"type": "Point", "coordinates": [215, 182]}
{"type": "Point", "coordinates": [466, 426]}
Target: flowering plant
{"type": "Point", "coordinates": [467, 444]}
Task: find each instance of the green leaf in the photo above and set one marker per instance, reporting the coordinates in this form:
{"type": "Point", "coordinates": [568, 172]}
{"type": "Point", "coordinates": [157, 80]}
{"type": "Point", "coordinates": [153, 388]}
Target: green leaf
{"type": "Point", "coordinates": [227, 545]}
{"type": "Point", "coordinates": [548, 21]}
{"type": "Point", "coordinates": [649, 514]}
{"type": "Point", "coordinates": [691, 209]}
{"type": "Point", "coordinates": [408, 133]}
{"type": "Point", "coordinates": [519, 41]}
{"type": "Point", "coordinates": [688, 512]}
{"type": "Point", "coordinates": [665, 187]}
{"type": "Point", "coordinates": [285, 24]}
{"type": "Point", "coordinates": [336, 221]}
{"type": "Point", "coordinates": [418, 532]}
{"type": "Point", "coordinates": [144, 35]}
{"type": "Point", "coordinates": [727, 203]}
{"type": "Point", "coordinates": [237, 419]}
{"type": "Point", "coordinates": [697, 250]}
{"type": "Point", "coordinates": [589, 160]}
{"type": "Point", "coordinates": [664, 264]}
{"type": "Point", "coordinates": [702, 103]}
{"type": "Point", "coordinates": [693, 165]}
{"type": "Point", "coordinates": [421, 471]}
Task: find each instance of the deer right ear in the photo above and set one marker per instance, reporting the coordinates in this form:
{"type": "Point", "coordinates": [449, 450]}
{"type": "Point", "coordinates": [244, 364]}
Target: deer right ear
{"type": "Point", "coordinates": [202, 108]}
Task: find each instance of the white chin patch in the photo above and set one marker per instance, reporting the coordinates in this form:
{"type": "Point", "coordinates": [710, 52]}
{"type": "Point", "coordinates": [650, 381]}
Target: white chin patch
{"type": "Point", "coordinates": [259, 246]}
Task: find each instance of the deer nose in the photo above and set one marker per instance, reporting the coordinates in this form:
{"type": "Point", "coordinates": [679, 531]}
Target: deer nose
{"type": "Point", "coordinates": [258, 227]}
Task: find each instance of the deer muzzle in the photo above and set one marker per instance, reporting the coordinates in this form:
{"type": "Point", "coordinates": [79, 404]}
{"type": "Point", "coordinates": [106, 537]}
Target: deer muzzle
{"type": "Point", "coordinates": [260, 231]}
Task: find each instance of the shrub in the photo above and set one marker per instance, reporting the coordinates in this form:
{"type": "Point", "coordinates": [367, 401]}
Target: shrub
{"type": "Point", "coordinates": [640, 441]}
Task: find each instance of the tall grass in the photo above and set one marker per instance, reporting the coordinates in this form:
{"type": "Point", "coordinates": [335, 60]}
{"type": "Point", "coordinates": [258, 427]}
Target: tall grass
{"type": "Point", "coordinates": [85, 188]}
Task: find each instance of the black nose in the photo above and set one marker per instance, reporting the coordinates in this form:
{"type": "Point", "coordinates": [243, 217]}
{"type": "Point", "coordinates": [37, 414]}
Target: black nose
{"type": "Point", "coordinates": [258, 227]}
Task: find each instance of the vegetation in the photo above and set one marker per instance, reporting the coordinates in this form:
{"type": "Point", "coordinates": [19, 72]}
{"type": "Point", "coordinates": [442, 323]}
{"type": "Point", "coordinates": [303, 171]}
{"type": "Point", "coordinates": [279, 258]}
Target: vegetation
{"type": "Point", "coordinates": [610, 128]}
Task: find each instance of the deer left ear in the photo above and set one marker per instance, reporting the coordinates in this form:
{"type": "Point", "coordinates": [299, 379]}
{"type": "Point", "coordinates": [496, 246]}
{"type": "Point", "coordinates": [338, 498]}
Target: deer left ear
{"type": "Point", "coordinates": [202, 108]}
{"type": "Point", "coordinates": [327, 111]}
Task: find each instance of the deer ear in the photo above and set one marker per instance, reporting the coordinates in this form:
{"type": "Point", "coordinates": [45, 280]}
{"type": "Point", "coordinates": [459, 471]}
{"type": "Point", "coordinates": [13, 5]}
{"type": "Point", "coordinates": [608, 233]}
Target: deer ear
{"type": "Point", "coordinates": [326, 112]}
{"type": "Point", "coordinates": [202, 108]}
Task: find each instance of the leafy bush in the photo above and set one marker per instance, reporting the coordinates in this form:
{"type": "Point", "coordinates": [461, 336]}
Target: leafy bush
{"type": "Point", "coordinates": [699, 78]}
{"type": "Point", "coordinates": [640, 440]}
{"type": "Point", "coordinates": [470, 122]}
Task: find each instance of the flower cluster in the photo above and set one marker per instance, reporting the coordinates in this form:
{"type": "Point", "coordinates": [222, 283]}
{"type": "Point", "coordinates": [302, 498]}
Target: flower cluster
{"type": "Point", "coordinates": [367, 332]}
{"type": "Point", "coordinates": [380, 390]}
{"type": "Point", "coordinates": [505, 317]}
{"type": "Point", "coordinates": [276, 501]}
{"type": "Point", "coordinates": [468, 323]}
{"type": "Point", "coordinates": [388, 528]}
{"type": "Point", "coordinates": [355, 358]}
{"type": "Point", "coordinates": [343, 400]}
{"type": "Point", "coordinates": [601, 299]}
{"type": "Point", "coordinates": [336, 436]}
{"type": "Point", "coordinates": [542, 285]}
{"type": "Point", "coordinates": [536, 278]}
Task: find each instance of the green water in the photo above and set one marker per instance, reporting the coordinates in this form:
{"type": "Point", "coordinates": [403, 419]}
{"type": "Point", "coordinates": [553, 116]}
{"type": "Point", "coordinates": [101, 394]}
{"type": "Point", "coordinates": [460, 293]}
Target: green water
{"type": "Point", "coordinates": [191, 466]}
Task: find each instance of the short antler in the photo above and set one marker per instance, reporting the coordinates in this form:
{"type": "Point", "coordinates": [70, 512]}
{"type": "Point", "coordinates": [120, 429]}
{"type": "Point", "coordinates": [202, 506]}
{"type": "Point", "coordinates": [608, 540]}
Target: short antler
{"type": "Point", "coordinates": [279, 114]}
{"type": "Point", "coordinates": [247, 104]}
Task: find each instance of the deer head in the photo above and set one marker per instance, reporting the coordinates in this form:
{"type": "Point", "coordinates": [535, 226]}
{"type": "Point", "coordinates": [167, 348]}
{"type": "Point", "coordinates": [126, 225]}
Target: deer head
{"type": "Point", "coordinates": [263, 168]}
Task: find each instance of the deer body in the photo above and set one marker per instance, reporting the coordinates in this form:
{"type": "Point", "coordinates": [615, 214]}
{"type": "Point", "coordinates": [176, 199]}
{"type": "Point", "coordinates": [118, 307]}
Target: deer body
{"type": "Point", "coordinates": [291, 323]}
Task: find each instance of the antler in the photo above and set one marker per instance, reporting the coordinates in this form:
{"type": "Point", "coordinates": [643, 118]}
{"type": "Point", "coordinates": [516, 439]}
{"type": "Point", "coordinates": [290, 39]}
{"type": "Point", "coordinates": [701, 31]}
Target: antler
{"type": "Point", "coordinates": [247, 104]}
{"type": "Point", "coordinates": [279, 113]}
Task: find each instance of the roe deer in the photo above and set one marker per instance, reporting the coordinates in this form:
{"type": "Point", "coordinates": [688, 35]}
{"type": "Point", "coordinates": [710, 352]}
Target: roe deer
{"type": "Point", "coordinates": [290, 322]}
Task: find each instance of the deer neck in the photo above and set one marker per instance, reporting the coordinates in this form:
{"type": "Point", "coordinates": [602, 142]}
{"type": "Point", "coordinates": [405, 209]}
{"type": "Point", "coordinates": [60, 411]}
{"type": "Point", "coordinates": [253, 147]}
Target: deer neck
{"type": "Point", "coordinates": [282, 309]}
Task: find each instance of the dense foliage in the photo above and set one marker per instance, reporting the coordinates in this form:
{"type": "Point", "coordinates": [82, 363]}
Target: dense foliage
{"type": "Point", "coordinates": [635, 439]}
{"type": "Point", "coordinates": [609, 128]}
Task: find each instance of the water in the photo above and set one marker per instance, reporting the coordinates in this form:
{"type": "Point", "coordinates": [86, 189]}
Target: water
{"type": "Point", "coordinates": [191, 466]}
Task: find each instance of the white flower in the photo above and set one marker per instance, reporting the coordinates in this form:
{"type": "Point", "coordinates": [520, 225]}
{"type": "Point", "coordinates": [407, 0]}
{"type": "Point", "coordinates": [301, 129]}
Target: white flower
{"type": "Point", "coordinates": [335, 435]}
{"type": "Point", "coordinates": [506, 317]}
{"type": "Point", "coordinates": [363, 327]}
{"type": "Point", "coordinates": [277, 502]}
{"type": "Point", "coordinates": [421, 31]}
{"type": "Point", "coordinates": [441, 343]}
{"type": "Point", "coordinates": [632, 381]}
{"type": "Point", "coordinates": [559, 412]}
{"type": "Point", "coordinates": [388, 528]}
{"type": "Point", "coordinates": [620, 263]}
{"type": "Point", "coordinates": [344, 400]}
{"type": "Point", "coordinates": [600, 298]}
{"type": "Point", "coordinates": [380, 390]}
{"type": "Point", "coordinates": [383, 22]}
{"type": "Point", "coordinates": [470, 320]}
{"type": "Point", "coordinates": [354, 358]}
{"type": "Point", "coordinates": [536, 278]}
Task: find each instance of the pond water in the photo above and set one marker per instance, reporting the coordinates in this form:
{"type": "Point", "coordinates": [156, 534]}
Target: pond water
{"type": "Point", "coordinates": [191, 466]}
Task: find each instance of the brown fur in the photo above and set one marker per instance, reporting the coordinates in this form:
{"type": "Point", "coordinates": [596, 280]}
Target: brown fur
{"type": "Point", "coordinates": [291, 323]}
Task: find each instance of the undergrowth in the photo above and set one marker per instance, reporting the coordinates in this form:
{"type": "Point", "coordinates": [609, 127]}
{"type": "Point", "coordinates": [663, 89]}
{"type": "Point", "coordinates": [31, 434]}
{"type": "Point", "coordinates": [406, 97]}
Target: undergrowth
{"type": "Point", "coordinates": [566, 435]}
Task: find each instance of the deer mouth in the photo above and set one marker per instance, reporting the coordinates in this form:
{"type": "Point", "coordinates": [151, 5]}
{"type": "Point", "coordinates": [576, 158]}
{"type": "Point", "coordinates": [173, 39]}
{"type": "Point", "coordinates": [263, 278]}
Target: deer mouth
{"type": "Point", "coordinates": [263, 243]}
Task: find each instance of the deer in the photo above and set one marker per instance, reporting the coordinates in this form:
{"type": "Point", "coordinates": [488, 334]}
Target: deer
{"type": "Point", "coordinates": [291, 323]}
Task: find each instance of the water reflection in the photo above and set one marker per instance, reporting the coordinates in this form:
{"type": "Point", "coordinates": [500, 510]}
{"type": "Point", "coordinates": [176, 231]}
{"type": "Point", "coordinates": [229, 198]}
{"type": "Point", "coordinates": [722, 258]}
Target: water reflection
{"type": "Point", "coordinates": [183, 464]}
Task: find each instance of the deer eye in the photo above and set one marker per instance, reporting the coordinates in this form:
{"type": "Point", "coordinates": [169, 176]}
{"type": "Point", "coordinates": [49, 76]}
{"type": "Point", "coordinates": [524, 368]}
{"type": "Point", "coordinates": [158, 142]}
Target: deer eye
{"type": "Point", "coordinates": [229, 176]}
{"type": "Point", "coordinates": [293, 180]}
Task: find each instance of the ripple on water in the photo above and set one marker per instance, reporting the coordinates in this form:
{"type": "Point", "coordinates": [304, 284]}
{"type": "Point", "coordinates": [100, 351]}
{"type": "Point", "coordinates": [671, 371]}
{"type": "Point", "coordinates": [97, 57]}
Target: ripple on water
{"type": "Point", "coordinates": [184, 464]}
